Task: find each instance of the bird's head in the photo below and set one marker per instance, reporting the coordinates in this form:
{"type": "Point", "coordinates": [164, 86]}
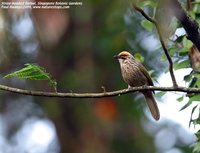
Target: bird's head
{"type": "Point", "coordinates": [123, 56]}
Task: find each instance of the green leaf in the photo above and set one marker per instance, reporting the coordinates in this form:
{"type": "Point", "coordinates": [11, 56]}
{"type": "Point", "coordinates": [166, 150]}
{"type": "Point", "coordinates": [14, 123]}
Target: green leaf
{"type": "Point", "coordinates": [148, 3]}
{"type": "Point", "coordinates": [192, 14]}
{"type": "Point", "coordinates": [188, 78]}
{"type": "Point", "coordinates": [163, 58]}
{"type": "Point", "coordinates": [198, 135]}
{"type": "Point", "coordinates": [195, 121]}
{"type": "Point", "coordinates": [33, 72]}
{"type": "Point", "coordinates": [197, 75]}
{"type": "Point", "coordinates": [183, 51]}
{"type": "Point", "coordinates": [179, 39]}
{"type": "Point", "coordinates": [151, 72]}
{"type": "Point", "coordinates": [172, 51]}
{"type": "Point", "coordinates": [186, 105]}
{"type": "Point", "coordinates": [187, 43]}
{"type": "Point", "coordinates": [182, 64]}
{"type": "Point", "coordinates": [147, 25]}
{"type": "Point", "coordinates": [193, 82]}
{"type": "Point", "coordinates": [160, 93]}
{"type": "Point", "coordinates": [196, 8]}
{"type": "Point", "coordinates": [197, 83]}
{"type": "Point", "coordinates": [139, 57]}
{"type": "Point", "coordinates": [193, 109]}
{"type": "Point", "coordinates": [196, 148]}
{"type": "Point", "coordinates": [180, 99]}
{"type": "Point", "coordinates": [196, 97]}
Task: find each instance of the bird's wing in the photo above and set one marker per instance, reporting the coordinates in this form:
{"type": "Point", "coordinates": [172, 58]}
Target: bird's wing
{"type": "Point", "coordinates": [146, 74]}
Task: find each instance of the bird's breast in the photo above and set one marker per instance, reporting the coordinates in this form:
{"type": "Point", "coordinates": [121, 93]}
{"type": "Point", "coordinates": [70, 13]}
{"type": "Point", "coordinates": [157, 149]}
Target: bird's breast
{"type": "Point", "coordinates": [133, 76]}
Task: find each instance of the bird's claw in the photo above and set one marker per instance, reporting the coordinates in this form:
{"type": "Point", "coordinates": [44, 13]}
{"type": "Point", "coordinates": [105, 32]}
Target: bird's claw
{"type": "Point", "coordinates": [129, 87]}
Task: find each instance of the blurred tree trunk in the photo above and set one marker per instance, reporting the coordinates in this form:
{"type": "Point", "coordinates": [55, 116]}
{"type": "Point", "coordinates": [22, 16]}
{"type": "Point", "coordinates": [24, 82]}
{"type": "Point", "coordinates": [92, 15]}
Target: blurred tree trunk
{"type": "Point", "coordinates": [51, 57]}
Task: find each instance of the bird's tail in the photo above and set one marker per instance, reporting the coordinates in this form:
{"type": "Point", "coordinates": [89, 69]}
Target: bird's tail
{"type": "Point", "coordinates": [152, 104]}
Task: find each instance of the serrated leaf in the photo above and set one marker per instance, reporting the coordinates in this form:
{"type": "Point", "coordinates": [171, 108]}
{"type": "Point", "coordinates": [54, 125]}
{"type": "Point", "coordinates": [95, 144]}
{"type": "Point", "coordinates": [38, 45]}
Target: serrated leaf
{"type": "Point", "coordinates": [147, 25]}
{"type": "Point", "coordinates": [23, 72]}
{"type": "Point", "coordinates": [160, 93]}
{"type": "Point", "coordinates": [139, 57]}
{"type": "Point", "coordinates": [36, 77]}
{"type": "Point", "coordinates": [182, 64]}
{"type": "Point", "coordinates": [33, 72]}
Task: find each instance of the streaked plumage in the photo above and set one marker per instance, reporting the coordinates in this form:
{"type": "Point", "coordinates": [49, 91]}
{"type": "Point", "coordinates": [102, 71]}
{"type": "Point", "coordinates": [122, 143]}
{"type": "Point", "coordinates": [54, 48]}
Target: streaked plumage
{"type": "Point", "coordinates": [135, 74]}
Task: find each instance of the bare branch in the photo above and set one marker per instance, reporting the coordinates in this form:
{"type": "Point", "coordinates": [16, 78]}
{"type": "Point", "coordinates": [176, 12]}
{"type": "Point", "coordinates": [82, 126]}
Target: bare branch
{"type": "Point", "coordinates": [188, 6]}
{"type": "Point", "coordinates": [161, 41]}
{"type": "Point", "coordinates": [97, 95]}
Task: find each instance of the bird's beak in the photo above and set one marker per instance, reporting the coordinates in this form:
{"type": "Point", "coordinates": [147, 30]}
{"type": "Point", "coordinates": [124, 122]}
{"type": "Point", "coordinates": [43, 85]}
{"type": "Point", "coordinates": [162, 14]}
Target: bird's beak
{"type": "Point", "coordinates": [116, 56]}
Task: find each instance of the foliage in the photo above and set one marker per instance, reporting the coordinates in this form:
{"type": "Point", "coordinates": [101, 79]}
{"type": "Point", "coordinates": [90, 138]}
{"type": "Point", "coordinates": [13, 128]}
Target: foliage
{"type": "Point", "coordinates": [96, 45]}
{"type": "Point", "coordinates": [33, 72]}
{"type": "Point", "coordinates": [179, 48]}
{"type": "Point", "coordinates": [139, 57]}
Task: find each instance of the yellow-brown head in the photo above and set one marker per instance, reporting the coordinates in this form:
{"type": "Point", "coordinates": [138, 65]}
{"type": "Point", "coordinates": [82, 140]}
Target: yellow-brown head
{"type": "Point", "coordinates": [123, 55]}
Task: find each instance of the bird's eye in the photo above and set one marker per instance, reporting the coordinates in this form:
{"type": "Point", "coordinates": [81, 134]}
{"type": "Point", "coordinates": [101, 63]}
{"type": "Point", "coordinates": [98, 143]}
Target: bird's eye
{"type": "Point", "coordinates": [123, 57]}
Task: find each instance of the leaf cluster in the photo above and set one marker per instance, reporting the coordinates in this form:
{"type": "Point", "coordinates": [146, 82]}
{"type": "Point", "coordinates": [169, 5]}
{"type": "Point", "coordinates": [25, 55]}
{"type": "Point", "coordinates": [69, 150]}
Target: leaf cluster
{"type": "Point", "coordinates": [179, 48]}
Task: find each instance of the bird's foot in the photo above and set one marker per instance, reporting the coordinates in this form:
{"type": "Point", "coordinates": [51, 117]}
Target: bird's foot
{"type": "Point", "coordinates": [129, 87]}
{"type": "Point", "coordinates": [144, 87]}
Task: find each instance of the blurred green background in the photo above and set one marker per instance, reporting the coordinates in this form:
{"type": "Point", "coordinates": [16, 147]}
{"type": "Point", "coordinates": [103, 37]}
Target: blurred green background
{"type": "Point", "coordinates": [76, 46]}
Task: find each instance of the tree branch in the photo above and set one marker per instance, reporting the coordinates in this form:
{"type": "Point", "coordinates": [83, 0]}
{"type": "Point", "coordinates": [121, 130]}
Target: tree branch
{"type": "Point", "coordinates": [161, 41]}
{"type": "Point", "coordinates": [97, 95]}
{"type": "Point", "coordinates": [191, 26]}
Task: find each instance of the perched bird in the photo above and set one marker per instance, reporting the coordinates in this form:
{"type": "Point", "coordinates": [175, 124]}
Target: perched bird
{"type": "Point", "coordinates": [135, 74]}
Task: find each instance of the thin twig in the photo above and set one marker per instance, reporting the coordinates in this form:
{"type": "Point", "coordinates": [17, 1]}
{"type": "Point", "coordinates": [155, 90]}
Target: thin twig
{"type": "Point", "coordinates": [96, 95]}
{"type": "Point", "coordinates": [161, 41]}
{"type": "Point", "coordinates": [188, 5]}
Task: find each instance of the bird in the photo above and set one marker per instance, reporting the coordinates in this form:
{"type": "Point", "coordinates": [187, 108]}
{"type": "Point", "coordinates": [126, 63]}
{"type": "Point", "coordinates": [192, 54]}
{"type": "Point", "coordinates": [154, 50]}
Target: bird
{"type": "Point", "coordinates": [135, 75]}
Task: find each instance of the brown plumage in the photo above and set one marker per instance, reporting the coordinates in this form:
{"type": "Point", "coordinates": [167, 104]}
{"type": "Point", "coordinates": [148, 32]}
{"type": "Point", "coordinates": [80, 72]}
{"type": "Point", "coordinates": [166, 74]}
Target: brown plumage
{"type": "Point", "coordinates": [135, 74]}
